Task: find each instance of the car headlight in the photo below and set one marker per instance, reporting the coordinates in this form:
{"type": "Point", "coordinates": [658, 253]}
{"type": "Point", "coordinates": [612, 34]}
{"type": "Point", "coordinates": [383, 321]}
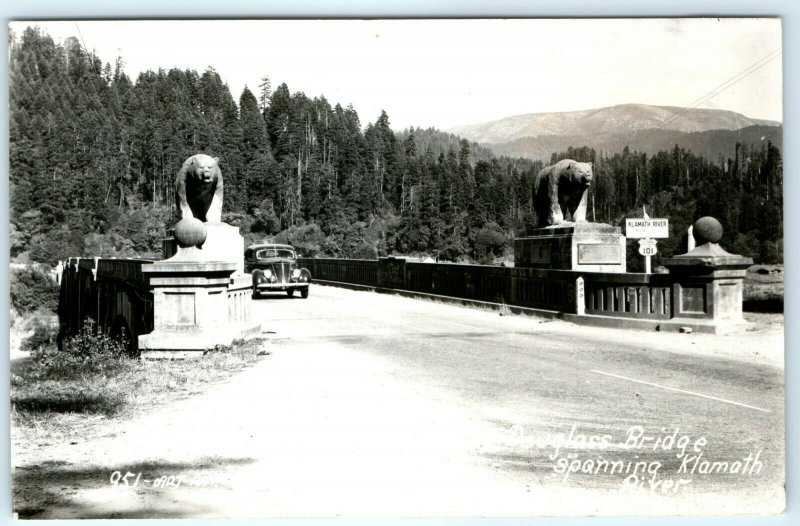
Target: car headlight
{"type": "Point", "coordinates": [267, 273]}
{"type": "Point", "coordinates": [296, 273]}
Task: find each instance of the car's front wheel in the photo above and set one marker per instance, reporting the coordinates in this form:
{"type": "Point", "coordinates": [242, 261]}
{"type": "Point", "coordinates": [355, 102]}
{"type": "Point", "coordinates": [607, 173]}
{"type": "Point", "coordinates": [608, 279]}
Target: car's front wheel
{"type": "Point", "coordinates": [290, 292]}
{"type": "Point", "coordinates": [304, 293]}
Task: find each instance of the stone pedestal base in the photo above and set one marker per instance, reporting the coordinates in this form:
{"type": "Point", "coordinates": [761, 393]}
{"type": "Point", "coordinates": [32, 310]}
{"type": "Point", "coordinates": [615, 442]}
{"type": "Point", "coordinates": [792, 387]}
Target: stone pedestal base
{"type": "Point", "coordinates": [223, 243]}
{"type": "Point", "coordinates": [197, 305]}
{"type": "Point", "coordinates": [709, 287]}
{"type": "Point", "coordinates": [587, 247]}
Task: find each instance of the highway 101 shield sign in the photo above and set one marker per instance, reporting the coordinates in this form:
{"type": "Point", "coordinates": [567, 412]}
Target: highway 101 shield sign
{"type": "Point", "coordinates": [647, 247]}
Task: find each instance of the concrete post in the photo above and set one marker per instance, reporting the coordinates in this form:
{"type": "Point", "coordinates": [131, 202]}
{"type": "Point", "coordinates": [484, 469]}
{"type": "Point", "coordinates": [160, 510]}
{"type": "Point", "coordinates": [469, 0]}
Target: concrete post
{"type": "Point", "coordinates": [708, 282]}
{"type": "Point", "coordinates": [580, 297]}
{"type": "Point", "coordinates": [191, 308]}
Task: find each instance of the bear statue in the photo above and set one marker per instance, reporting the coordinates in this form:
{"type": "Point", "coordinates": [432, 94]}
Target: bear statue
{"type": "Point", "coordinates": [560, 190]}
{"type": "Point", "coordinates": [198, 189]}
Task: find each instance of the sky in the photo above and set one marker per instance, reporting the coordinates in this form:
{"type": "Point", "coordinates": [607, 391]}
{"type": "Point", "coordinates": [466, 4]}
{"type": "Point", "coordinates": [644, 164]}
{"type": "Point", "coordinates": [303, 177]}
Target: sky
{"type": "Point", "coordinates": [446, 73]}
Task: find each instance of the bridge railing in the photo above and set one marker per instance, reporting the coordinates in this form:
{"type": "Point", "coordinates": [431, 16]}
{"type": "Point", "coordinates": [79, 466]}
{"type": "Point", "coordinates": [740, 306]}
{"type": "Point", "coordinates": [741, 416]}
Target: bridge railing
{"type": "Point", "coordinates": [355, 271]}
{"type": "Point", "coordinates": [107, 290]}
{"type": "Point", "coordinates": [643, 296]}
{"type": "Point", "coordinates": [627, 296]}
{"type": "Point", "coordinates": [700, 297]}
{"type": "Point", "coordinates": [535, 288]}
{"type": "Point", "coordinates": [127, 270]}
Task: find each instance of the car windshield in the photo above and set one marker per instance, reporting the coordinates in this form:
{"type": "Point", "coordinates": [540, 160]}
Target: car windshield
{"type": "Point", "coordinates": [275, 253]}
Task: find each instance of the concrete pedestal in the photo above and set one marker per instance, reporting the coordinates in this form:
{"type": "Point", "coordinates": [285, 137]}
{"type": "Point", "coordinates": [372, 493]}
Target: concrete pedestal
{"type": "Point", "coordinates": [223, 243]}
{"type": "Point", "coordinates": [197, 305]}
{"type": "Point", "coordinates": [708, 288]}
{"type": "Point", "coordinates": [587, 247]}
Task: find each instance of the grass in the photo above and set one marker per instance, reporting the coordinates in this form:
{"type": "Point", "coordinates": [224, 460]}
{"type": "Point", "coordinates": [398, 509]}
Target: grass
{"type": "Point", "coordinates": [61, 400]}
{"type": "Point", "coordinates": [763, 289]}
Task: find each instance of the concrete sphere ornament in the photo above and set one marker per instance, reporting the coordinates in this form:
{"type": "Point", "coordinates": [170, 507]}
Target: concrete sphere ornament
{"type": "Point", "coordinates": [707, 230]}
{"type": "Point", "coordinates": [190, 232]}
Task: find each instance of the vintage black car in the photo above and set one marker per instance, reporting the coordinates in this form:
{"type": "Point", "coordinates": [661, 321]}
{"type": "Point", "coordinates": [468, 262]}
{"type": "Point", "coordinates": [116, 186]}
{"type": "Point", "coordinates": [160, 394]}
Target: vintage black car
{"type": "Point", "coordinates": [274, 268]}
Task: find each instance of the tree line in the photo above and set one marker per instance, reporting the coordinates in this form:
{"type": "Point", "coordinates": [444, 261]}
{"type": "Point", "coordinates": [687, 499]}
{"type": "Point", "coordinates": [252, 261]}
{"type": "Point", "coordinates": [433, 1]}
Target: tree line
{"type": "Point", "coordinates": [93, 157]}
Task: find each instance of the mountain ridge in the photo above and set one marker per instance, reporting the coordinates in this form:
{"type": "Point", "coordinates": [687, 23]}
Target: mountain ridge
{"type": "Point", "coordinates": [618, 119]}
{"type": "Point", "coordinates": [711, 144]}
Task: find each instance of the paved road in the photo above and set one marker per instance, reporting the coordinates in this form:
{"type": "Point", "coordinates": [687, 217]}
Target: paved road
{"type": "Point", "coordinates": [381, 405]}
{"type": "Point", "coordinates": [531, 380]}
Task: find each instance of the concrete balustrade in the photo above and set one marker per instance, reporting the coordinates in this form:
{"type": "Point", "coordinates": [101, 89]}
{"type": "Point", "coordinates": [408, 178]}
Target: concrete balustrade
{"type": "Point", "coordinates": [699, 293]}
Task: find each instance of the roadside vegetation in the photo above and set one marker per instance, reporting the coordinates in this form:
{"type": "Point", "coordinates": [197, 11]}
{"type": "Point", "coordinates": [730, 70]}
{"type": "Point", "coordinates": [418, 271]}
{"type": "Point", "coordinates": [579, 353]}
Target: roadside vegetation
{"type": "Point", "coordinates": [763, 289]}
{"type": "Point", "coordinates": [91, 373]}
{"type": "Point", "coordinates": [54, 391]}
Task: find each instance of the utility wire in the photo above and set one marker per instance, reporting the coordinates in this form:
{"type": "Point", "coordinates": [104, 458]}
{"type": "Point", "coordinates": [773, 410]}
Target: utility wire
{"type": "Point", "coordinates": [716, 91]}
{"type": "Point", "coordinates": [733, 80]}
{"type": "Point", "coordinates": [96, 97]}
{"type": "Point", "coordinates": [82, 41]}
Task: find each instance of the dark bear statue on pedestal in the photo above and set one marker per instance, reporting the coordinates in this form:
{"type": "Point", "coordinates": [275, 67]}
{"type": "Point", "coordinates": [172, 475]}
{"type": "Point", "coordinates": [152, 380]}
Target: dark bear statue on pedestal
{"type": "Point", "coordinates": [560, 191]}
{"type": "Point", "coordinates": [198, 189]}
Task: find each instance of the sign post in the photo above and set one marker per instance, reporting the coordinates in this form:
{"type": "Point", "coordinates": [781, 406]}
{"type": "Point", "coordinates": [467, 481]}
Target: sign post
{"type": "Point", "coordinates": [647, 248]}
{"type": "Point", "coordinates": [647, 230]}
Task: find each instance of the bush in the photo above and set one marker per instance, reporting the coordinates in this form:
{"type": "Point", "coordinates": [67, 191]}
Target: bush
{"type": "Point", "coordinates": [91, 351]}
{"type": "Point", "coordinates": [490, 240]}
{"type": "Point", "coordinates": [56, 245]}
{"type": "Point", "coordinates": [107, 245]}
{"type": "Point", "coordinates": [33, 288]}
{"type": "Point", "coordinates": [365, 251]}
{"type": "Point", "coordinates": [140, 230]}
{"type": "Point", "coordinates": [452, 252]}
{"type": "Point", "coordinates": [238, 219]}
{"type": "Point", "coordinates": [306, 239]}
{"type": "Point", "coordinates": [45, 335]}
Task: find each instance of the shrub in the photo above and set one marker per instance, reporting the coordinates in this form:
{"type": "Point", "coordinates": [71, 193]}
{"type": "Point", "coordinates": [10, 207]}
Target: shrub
{"type": "Point", "coordinates": [45, 335]}
{"type": "Point", "coordinates": [490, 240]}
{"type": "Point", "coordinates": [238, 219]}
{"type": "Point", "coordinates": [306, 239]}
{"type": "Point", "coordinates": [91, 351]}
{"type": "Point", "coordinates": [140, 230]}
{"type": "Point", "coordinates": [365, 251]}
{"type": "Point", "coordinates": [56, 245]}
{"type": "Point", "coordinates": [452, 252]}
{"type": "Point", "coordinates": [107, 245]}
{"type": "Point", "coordinates": [33, 288]}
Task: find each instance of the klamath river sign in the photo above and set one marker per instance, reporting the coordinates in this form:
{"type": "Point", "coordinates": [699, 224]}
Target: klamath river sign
{"type": "Point", "coordinates": [646, 230]}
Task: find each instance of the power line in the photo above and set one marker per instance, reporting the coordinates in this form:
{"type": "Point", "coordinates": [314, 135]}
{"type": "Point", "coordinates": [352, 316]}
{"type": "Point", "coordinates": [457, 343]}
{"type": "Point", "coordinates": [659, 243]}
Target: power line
{"type": "Point", "coordinates": [82, 41]}
{"type": "Point", "coordinates": [716, 91]}
{"type": "Point", "coordinates": [727, 84]}
{"type": "Point", "coordinates": [96, 95]}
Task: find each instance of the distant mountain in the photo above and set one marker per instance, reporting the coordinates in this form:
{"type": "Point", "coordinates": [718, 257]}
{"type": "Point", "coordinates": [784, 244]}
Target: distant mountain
{"type": "Point", "coordinates": [710, 144]}
{"type": "Point", "coordinates": [621, 119]}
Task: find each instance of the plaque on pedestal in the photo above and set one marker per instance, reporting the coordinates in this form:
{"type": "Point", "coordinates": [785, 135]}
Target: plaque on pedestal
{"type": "Point", "coordinates": [588, 247]}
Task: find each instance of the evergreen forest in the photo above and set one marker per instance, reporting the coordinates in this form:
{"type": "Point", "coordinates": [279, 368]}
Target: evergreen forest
{"type": "Point", "coordinates": [94, 154]}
